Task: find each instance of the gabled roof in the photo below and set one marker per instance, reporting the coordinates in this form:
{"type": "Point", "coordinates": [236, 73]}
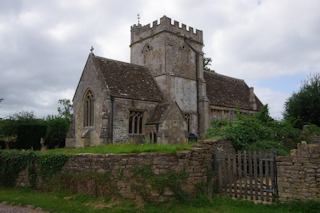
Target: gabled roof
{"type": "Point", "coordinates": [228, 92]}
{"type": "Point", "coordinates": [160, 112]}
{"type": "Point", "coordinates": [126, 80]}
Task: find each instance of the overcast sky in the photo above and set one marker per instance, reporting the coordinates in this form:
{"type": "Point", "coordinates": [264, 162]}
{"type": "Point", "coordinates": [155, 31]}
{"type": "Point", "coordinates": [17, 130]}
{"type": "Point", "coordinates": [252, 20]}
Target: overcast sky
{"type": "Point", "coordinates": [273, 44]}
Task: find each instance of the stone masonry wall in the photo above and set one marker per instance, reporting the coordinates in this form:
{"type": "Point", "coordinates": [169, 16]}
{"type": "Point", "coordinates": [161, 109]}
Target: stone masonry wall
{"type": "Point", "coordinates": [120, 170]}
{"type": "Point", "coordinates": [299, 173]}
{"type": "Point", "coordinates": [315, 139]}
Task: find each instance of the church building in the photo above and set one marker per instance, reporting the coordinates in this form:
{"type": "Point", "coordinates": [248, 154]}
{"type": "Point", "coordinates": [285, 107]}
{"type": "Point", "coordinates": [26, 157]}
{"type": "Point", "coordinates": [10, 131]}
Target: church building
{"type": "Point", "coordinates": [161, 96]}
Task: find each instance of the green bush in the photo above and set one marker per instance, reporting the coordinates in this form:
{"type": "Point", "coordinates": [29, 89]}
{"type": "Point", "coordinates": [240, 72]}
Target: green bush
{"type": "Point", "coordinates": [247, 130]}
{"type": "Point", "coordinates": [312, 129]}
{"type": "Point", "coordinates": [266, 145]}
{"type": "Point", "coordinates": [2, 144]}
{"type": "Point", "coordinates": [56, 133]}
{"type": "Point", "coordinates": [29, 135]}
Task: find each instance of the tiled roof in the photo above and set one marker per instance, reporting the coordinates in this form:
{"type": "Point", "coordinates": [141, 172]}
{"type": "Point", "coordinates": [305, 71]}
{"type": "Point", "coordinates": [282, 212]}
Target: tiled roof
{"type": "Point", "coordinates": [158, 113]}
{"type": "Point", "coordinates": [128, 80]}
{"type": "Point", "coordinates": [228, 92]}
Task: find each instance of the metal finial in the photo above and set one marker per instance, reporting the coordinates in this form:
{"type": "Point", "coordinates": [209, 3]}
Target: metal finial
{"type": "Point", "coordinates": [138, 18]}
{"type": "Point", "coordinates": [91, 49]}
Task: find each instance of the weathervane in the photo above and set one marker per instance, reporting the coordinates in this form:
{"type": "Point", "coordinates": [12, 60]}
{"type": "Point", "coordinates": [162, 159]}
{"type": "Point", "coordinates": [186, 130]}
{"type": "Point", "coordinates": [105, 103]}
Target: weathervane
{"type": "Point", "coordinates": [138, 18]}
{"type": "Point", "coordinates": [91, 49]}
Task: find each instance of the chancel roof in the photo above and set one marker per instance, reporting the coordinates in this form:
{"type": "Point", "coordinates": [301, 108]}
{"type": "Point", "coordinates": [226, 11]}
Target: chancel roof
{"type": "Point", "coordinates": [128, 80]}
{"type": "Point", "coordinates": [228, 92]}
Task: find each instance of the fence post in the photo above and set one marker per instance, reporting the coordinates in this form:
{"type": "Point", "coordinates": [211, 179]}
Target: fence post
{"type": "Point", "coordinates": [250, 174]}
{"type": "Point", "coordinates": [240, 173]}
{"type": "Point", "coordinates": [234, 169]}
{"type": "Point", "coordinates": [245, 174]}
{"type": "Point", "coordinates": [230, 176]}
{"type": "Point", "coordinates": [220, 177]}
{"type": "Point", "coordinates": [261, 176]}
{"type": "Point", "coordinates": [272, 175]}
{"type": "Point", "coordinates": [267, 165]}
{"type": "Point", "coordinates": [255, 171]}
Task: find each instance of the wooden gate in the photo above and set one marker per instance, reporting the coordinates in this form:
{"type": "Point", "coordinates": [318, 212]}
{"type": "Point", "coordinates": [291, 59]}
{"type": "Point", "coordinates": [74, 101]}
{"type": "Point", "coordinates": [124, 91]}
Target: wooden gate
{"type": "Point", "coordinates": [247, 175]}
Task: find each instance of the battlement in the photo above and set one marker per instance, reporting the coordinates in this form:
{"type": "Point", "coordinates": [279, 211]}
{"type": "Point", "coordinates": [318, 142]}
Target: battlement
{"type": "Point", "coordinates": [139, 32]}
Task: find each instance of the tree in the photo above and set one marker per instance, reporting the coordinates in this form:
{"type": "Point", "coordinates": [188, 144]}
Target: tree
{"type": "Point", "coordinates": [9, 127]}
{"type": "Point", "coordinates": [66, 110]}
{"type": "Point", "coordinates": [58, 125]}
{"type": "Point", "coordinates": [304, 106]}
{"type": "Point", "coordinates": [56, 133]}
{"type": "Point", "coordinates": [24, 117]}
{"type": "Point", "coordinates": [207, 63]}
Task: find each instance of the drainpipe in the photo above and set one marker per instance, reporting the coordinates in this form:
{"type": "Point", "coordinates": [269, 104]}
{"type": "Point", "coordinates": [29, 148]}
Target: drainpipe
{"type": "Point", "coordinates": [197, 82]}
{"type": "Point", "coordinates": [112, 113]}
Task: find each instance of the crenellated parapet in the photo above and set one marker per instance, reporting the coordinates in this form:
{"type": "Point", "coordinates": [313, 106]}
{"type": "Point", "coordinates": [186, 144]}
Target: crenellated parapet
{"type": "Point", "coordinates": [139, 32]}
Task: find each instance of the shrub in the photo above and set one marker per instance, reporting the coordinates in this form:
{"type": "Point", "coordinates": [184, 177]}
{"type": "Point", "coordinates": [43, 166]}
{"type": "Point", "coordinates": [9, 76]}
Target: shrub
{"type": "Point", "coordinates": [247, 129]}
{"type": "Point", "coordinates": [312, 129]}
{"type": "Point", "coordinates": [265, 145]}
{"type": "Point", "coordinates": [56, 133]}
{"type": "Point", "coordinates": [29, 135]}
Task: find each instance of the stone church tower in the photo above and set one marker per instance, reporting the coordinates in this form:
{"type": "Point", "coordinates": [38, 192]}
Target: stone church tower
{"type": "Point", "coordinates": [174, 57]}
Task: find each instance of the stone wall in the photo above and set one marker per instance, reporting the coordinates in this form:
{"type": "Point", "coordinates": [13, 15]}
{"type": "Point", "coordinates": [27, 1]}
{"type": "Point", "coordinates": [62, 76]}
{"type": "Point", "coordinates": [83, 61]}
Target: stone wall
{"type": "Point", "coordinates": [174, 128]}
{"type": "Point", "coordinates": [315, 139]}
{"type": "Point", "coordinates": [299, 173]}
{"type": "Point", "coordinates": [120, 172]}
{"type": "Point", "coordinates": [78, 135]}
{"type": "Point", "coordinates": [122, 109]}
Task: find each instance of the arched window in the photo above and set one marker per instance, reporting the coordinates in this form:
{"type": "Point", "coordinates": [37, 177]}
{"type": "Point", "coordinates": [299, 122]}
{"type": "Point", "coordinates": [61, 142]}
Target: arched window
{"type": "Point", "coordinates": [147, 54]}
{"type": "Point", "coordinates": [151, 137]}
{"type": "Point", "coordinates": [88, 112]}
{"type": "Point", "coordinates": [135, 122]}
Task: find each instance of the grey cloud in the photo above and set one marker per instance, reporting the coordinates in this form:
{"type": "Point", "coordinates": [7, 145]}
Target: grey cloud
{"type": "Point", "coordinates": [244, 39]}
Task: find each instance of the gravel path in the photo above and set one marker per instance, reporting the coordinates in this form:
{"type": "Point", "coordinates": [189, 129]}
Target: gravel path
{"type": "Point", "coordinates": [4, 208]}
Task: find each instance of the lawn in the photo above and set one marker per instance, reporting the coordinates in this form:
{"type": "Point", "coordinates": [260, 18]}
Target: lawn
{"type": "Point", "coordinates": [124, 148]}
{"type": "Point", "coordinates": [66, 202]}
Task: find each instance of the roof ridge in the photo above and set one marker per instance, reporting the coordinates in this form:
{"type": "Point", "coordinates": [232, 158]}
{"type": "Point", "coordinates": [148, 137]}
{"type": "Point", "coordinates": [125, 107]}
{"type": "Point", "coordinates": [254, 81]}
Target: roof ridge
{"type": "Point", "coordinates": [117, 61]}
{"type": "Point", "coordinates": [225, 76]}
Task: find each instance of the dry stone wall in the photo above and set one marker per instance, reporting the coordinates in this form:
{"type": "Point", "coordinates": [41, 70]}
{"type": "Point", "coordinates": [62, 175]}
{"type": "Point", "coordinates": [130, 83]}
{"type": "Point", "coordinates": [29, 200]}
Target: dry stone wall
{"type": "Point", "coordinates": [153, 176]}
{"type": "Point", "coordinates": [299, 173]}
{"type": "Point", "coordinates": [315, 139]}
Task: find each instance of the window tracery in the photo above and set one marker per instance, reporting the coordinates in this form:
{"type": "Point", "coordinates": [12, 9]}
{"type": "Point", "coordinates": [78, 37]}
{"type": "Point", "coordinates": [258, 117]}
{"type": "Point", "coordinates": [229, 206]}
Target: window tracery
{"type": "Point", "coordinates": [88, 109]}
{"type": "Point", "coordinates": [135, 122]}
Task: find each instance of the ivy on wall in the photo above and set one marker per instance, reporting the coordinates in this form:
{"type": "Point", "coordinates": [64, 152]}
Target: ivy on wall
{"type": "Point", "coordinates": [170, 180]}
{"type": "Point", "coordinates": [49, 164]}
{"type": "Point", "coordinates": [12, 162]}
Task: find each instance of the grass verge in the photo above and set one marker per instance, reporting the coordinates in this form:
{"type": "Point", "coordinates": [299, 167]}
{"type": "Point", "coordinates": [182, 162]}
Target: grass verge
{"type": "Point", "coordinates": [124, 148]}
{"type": "Point", "coordinates": [66, 202]}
